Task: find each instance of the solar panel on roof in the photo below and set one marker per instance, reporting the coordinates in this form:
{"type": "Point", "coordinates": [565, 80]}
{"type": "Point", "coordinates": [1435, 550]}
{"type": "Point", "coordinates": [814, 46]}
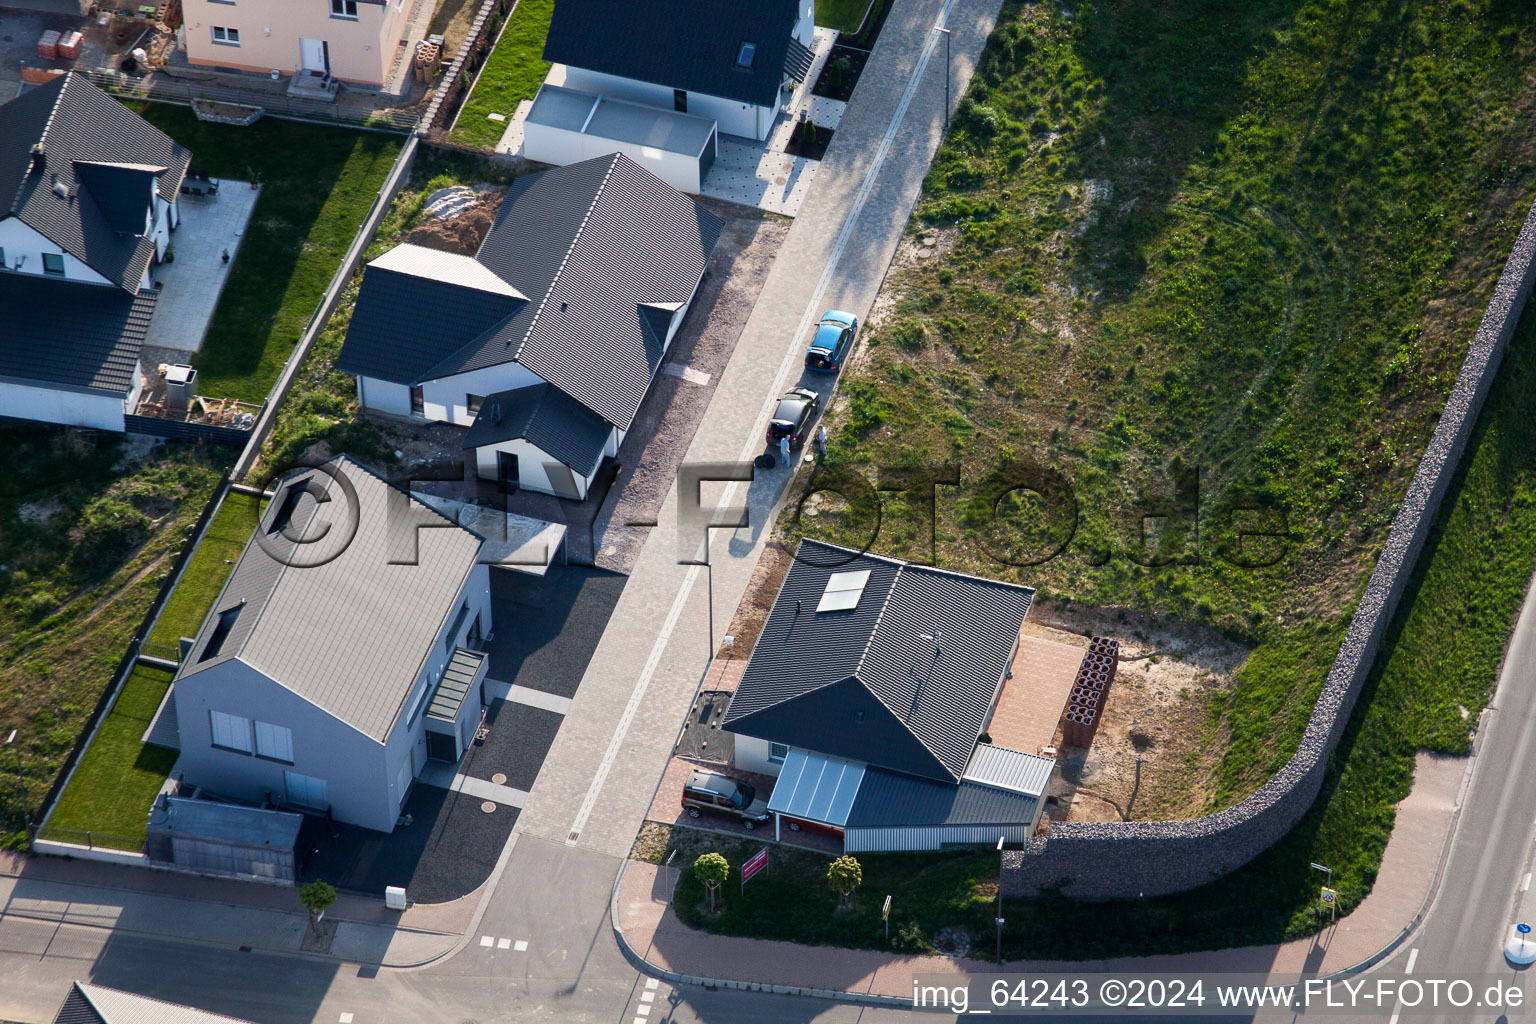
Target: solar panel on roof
{"type": "Point", "coordinates": [843, 591]}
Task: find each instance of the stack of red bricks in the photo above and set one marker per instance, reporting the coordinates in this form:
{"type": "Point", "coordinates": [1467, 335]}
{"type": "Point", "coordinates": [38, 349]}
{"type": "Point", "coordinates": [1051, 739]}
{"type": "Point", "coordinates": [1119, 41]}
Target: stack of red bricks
{"type": "Point", "coordinates": [1089, 692]}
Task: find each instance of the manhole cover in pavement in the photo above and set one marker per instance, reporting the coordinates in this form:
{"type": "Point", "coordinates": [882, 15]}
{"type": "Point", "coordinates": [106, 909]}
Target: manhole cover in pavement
{"type": "Point", "coordinates": [779, 181]}
{"type": "Point", "coordinates": [499, 778]}
{"type": "Point", "coordinates": [488, 807]}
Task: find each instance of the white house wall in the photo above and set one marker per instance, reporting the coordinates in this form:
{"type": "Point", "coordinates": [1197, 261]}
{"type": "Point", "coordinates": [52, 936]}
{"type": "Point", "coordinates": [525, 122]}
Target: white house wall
{"type": "Point", "coordinates": [751, 755]}
{"type": "Point", "coordinates": [733, 116]}
{"type": "Point", "coordinates": [17, 239]}
{"type": "Point", "coordinates": [444, 400]}
{"type": "Point", "coordinates": [27, 401]}
{"type": "Point", "coordinates": [531, 475]}
{"type": "Point", "coordinates": [383, 396]}
{"type": "Point", "coordinates": [559, 146]}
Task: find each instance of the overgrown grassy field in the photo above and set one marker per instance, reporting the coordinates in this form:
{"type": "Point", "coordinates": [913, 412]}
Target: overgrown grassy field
{"type": "Point", "coordinates": [1250, 241]}
{"type": "Point", "coordinates": [206, 572]}
{"type": "Point", "coordinates": [318, 183]}
{"type": "Point", "coordinates": [119, 775]}
{"type": "Point", "coordinates": [1441, 654]}
{"type": "Point", "coordinates": [513, 72]}
{"type": "Point", "coordinates": [85, 538]}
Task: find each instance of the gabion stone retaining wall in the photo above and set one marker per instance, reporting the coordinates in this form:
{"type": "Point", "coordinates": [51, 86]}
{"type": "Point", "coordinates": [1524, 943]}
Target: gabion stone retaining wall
{"type": "Point", "coordinates": [1124, 859]}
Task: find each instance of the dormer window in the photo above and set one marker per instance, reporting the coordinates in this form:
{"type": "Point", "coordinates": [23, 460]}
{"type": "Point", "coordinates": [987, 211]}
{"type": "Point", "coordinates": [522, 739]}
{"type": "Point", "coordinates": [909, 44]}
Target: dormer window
{"type": "Point", "coordinates": [745, 54]}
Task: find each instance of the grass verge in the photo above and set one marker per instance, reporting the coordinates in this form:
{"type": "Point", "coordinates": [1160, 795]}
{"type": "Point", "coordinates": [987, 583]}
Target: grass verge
{"type": "Point", "coordinates": [118, 776]}
{"type": "Point", "coordinates": [512, 73]}
{"type": "Point", "coordinates": [207, 570]}
{"type": "Point", "coordinates": [318, 184]}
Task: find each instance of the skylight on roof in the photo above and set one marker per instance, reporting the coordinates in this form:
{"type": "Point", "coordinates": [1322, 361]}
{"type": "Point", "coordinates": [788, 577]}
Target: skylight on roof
{"type": "Point", "coordinates": [843, 591]}
{"type": "Point", "coordinates": [745, 55]}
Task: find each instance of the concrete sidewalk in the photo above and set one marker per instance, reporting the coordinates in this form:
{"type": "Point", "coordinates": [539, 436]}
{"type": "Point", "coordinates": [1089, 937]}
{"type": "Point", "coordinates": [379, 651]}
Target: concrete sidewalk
{"type": "Point", "coordinates": [1409, 868]}
{"type": "Point", "coordinates": [224, 912]}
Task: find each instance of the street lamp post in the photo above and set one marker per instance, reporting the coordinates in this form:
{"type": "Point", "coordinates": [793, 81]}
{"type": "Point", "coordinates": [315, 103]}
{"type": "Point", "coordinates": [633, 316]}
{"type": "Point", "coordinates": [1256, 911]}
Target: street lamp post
{"type": "Point", "coordinates": [945, 32]}
{"type": "Point", "coordinates": [999, 916]}
{"type": "Point", "coordinates": [26, 817]}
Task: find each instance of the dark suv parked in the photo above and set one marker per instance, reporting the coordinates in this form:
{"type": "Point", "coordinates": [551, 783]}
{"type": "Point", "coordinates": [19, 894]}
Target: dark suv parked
{"type": "Point", "coordinates": [706, 791]}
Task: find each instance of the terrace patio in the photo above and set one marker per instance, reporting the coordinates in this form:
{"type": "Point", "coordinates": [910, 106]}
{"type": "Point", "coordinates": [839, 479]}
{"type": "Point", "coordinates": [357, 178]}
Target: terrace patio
{"type": "Point", "coordinates": [191, 283]}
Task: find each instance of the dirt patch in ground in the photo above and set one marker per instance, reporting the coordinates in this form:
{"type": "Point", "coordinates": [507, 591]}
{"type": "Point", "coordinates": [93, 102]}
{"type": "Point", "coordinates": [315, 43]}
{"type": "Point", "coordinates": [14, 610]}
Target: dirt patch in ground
{"type": "Point", "coordinates": [40, 511]}
{"type": "Point", "coordinates": [1152, 754]}
{"type": "Point", "coordinates": [462, 233]}
{"type": "Point", "coordinates": [747, 624]}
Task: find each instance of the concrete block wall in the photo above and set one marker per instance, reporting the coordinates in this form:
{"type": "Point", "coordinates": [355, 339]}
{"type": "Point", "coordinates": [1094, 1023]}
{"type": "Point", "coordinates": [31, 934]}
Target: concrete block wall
{"type": "Point", "coordinates": [1126, 859]}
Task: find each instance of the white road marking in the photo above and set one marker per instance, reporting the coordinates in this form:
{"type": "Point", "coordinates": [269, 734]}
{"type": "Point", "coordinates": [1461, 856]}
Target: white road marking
{"type": "Point", "coordinates": [346, 1018]}
{"type": "Point", "coordinates": [646, 997]}
{"type": "Point", "coordinates": [1526, 885]}
{"type": "Point", "coordinates": [651, 983]}
{"type": "Point", "coordinates": [539, 699]}
{"type": "Point", "coordinates": [487, 940]}
{"type": "Point", "coordinates": [503, 943]}
{"type": "Point", "coordinates": [643, 1009]}
{"type": "Point", "coordinates": [641, 1020]}
{"type": "Point", "coordinates": [834, 258]}
{"type": "Point", "coordinates": [1413, 958]}
{"type": "Point", "coordinates": [521, 946]}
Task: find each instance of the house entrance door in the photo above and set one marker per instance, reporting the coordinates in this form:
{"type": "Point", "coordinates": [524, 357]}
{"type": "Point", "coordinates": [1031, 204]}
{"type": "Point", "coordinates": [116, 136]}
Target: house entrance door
{"type": "Point", "coordinates": [314, 55]}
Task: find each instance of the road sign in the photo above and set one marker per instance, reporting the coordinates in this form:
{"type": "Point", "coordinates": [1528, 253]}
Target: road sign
{"type": "Point", "coordinates": [757, 862]}
{"type": "Point", "coordinates": [885, 911]}
{"type": "Point", "coordinates": [1329, 896]}
{"type": "Point", "coordinates": [1523, 929]}
{"type": "Point", "coordinates": [1318, 867]}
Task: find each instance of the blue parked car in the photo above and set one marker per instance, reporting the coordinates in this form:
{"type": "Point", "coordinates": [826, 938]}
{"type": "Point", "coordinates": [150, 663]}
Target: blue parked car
{"type": "Point", "coordinates": [832, 342]}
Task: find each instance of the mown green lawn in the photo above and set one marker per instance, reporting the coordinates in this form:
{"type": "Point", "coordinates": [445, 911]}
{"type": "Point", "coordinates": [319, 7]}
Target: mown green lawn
{"type": "Point", "coordinates": [512, 73]}
{"type": "Point", "coordinates": [318, 184]}
{"type": "Point", "coordinates": [206, 572]}
{"type": "Point", "coordinates": [843, 15]}
{"type": "Point", "coordinates": [118, 776]}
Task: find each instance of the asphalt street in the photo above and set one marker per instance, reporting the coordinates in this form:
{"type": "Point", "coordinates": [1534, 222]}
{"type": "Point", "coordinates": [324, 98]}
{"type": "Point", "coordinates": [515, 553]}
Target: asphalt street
{"type": "Point", "coordinates": [1484, 890]}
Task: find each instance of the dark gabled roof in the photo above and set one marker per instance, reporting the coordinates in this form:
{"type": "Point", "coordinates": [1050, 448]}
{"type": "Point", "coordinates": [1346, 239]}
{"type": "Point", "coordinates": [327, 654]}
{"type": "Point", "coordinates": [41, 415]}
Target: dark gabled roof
{"type": "Point", "coordinates": [341, 618]}
{"type": "Point", "coordinates": [406, 319]}
{"type": "Point", "coordinates": [680, 44]}
{"type": "Point", "coordinates": [545, 416]}
{"type": "Point", "coordinates": [862, 683]}
{"type": "Point", "coordinates": [70, 334]}
{"type": "Point", "coordinates": [604, 251]}
{"type": "Point", "coordinates": [103, 154]}
{"type": "Point", "coordinates": [887, 799]}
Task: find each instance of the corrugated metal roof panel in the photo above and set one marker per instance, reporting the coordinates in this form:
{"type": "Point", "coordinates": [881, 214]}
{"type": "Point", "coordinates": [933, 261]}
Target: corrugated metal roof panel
{"type": "Point", "coordinates": [887, 799]}
{"type": "Point", "coordinates": [113, 1006]}
{"type": "Point", "coordinates": [816, 787]}
{"type": "Point", "coordinates": [1009, 769]}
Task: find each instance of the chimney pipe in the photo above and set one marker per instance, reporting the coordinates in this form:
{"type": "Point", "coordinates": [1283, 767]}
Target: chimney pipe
{"type": "Point", "coordinates": [39, 161]}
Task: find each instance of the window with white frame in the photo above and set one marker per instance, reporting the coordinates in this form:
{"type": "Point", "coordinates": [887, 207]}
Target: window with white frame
{"type": "Point", "coordinates": [228, 36]}
{"type": "Point", "coordinates": [231, 732]}
{"type": "Point", "coordinates": [777, 752]}
{"type": "Point", "coordinates": [274, 742]}
{"type": "Point", "coordinates": [344, 8]}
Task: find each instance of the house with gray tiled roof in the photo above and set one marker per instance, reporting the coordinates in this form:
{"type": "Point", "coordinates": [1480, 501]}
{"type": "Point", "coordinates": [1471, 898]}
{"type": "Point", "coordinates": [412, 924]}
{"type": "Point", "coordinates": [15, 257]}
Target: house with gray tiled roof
{"type": "Point", "coordinates": [341, 654]}
{"type": "Point", "coordinates": [733, 64]}
{"type": "Point", "coordinates": [546, 341]}
{"type": "Point", "coordinates": [868, 695]}
{"type": "Point", "coordinates": [88, 199]}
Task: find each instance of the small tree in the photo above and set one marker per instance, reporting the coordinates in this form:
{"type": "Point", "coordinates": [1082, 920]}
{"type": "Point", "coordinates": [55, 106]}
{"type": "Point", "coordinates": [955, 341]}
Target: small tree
{"type": "Point", "coordinates": [712, 870]}
{"type": "Point", "coordinates": [316, 897]}
{"type": "Point", "coordinates": [844, 876]}
{"type": "Point", "coordinates": [810, 132]}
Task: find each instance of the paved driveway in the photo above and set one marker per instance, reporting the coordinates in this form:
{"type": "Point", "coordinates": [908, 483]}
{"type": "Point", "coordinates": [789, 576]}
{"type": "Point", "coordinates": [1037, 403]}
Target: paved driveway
{"type": "Point", "coordinates": [544, 629]}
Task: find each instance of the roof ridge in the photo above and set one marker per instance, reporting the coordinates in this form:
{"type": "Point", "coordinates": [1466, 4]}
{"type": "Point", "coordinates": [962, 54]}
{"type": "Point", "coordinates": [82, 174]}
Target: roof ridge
{"type": "Point", "coordinates": [613, 162]}
{"type": "Point", "coordinates": [42, 136]}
